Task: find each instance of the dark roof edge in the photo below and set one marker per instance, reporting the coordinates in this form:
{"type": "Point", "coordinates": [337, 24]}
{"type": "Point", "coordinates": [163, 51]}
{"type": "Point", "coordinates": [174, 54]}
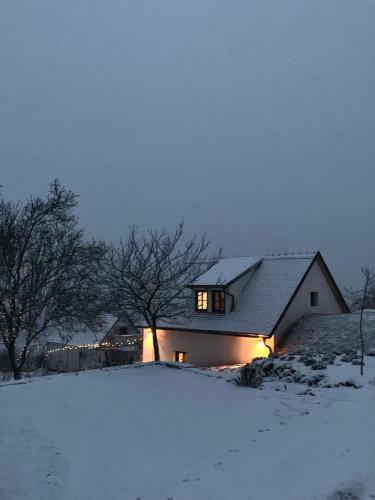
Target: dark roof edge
{"type": "Point", "coordinates": [333, 282]}
{"type": "Point", "coordinates": [210, 332]}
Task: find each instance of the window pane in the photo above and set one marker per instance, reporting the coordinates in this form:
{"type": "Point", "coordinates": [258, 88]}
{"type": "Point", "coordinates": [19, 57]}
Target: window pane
{"type": "Point", "coordinates": [201, 300]}
{"type": "Point", "coordinates": [180, 356]}
{"type": "Point", "coordinates": [218, 301]}
{"type": "Point", "coordinates": [314, 299]}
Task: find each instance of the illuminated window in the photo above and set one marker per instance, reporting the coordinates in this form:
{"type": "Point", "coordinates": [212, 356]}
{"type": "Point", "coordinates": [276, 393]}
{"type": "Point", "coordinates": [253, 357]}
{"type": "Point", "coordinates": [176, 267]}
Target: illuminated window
{"type": "Point", "coordinates": [314, 299]}
{"type": "Point", "coordinates": [218, 301]}
{"type": "Point", "coordinates": [201, 300]}
{"type": "Point", "coordinates": [180, 356]}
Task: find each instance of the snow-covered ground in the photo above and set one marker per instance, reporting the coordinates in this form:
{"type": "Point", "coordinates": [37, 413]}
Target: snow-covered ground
{"type": "Point", "coordinates": [323, 332]}
{"type": "Point", "coordinates": [153, 432]}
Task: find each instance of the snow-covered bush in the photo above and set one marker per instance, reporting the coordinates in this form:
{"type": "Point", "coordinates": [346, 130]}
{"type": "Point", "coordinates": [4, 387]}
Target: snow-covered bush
{"type": "Point", "coordinates": [309, 369]}
{"type": "Point", "coordinates": [283, 368]}
{"type": "Point", "coordinates": [249, 376]}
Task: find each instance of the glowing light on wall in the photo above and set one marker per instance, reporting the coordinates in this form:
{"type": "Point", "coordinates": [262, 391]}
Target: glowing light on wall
{"type": "Point", "coordinates": [148, 345]}
{"type": "Point", "coordinates": [261, 350]}
{"type": "Point", "coordinates": [261, 342]}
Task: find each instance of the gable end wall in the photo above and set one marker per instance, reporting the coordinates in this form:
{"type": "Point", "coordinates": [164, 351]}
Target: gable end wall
{"type": "Point", "coordinates": [317, 280]}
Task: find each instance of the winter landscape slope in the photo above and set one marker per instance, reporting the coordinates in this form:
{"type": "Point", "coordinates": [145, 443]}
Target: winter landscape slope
{"type": "Point", "coordinates": [337, 333]}
{"type": "Point", "coordinates": [152, 432]}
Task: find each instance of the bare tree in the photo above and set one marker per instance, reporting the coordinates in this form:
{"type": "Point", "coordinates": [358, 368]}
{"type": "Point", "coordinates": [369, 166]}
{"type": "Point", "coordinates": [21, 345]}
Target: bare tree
{"type": "Point", "coordinates": [48, 273]}
{"type": "Point", "coordinates": [369, 280]}
{"type": "Point", "coordinates": [148, 276]}
{"type": "Point", "coordinates": [355, 297]}
{"type": "Point", "coordinates": [363, 299]}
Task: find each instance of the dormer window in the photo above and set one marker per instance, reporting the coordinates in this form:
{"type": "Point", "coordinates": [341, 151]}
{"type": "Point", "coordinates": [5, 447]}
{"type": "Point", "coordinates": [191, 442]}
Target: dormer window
{"type": "Point", "coordinates": [218, 301]}
{"type": "Point", "coordinates": [201, 300]}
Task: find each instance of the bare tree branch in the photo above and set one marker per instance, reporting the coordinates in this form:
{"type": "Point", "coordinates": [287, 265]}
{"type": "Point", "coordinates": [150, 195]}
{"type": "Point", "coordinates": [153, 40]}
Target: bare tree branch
{"type": "Point", "coordinates": [49, 276]}
{"type": "Point", "coordinates": [148, 275]}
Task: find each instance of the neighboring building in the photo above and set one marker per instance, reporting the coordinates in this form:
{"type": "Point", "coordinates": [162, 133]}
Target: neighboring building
{"type": "Point", "coordinates": [244, 306]}
{"type": "Point", "coordinates": [125, 341]}
{"type": "Point", "coordinates": [73, 352]}
{"type": "Point", "coordinates": [123, 331]}
{"type": "Point", "coordinates": [117, 342]}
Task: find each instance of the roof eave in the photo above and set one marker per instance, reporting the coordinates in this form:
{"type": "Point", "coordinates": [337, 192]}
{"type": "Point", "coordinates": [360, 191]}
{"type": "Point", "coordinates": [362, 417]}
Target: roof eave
{"type": "Point", "coordinates": [213, 332]}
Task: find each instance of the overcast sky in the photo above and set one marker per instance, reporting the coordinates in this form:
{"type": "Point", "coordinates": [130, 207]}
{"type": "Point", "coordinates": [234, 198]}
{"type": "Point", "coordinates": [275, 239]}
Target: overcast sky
{"type": "Point", "coordinates": [252, 120]}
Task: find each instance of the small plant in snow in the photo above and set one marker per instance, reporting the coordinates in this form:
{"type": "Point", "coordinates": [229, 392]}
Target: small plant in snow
{"type": "Point", "coordinates": [249, 376]}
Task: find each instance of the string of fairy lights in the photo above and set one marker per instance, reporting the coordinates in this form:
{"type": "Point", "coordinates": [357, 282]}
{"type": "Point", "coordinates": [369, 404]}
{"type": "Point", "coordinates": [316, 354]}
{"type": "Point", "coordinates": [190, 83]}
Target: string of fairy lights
{"type": "Point", "coordinates": [71, 347]}
{"type": "Point", "coordinates": [96, 345]}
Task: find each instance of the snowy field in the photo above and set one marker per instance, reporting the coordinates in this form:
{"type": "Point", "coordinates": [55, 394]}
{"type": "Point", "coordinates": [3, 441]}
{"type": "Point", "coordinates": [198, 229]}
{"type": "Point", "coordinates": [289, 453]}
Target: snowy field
{"type": "Point", "coordinates": [152, 432]}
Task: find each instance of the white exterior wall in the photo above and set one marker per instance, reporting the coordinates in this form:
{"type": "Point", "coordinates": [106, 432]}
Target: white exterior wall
{"type": "Point", "coordinates": [204, 349]}
{"type": "Point", "coordinates": [328, 302]}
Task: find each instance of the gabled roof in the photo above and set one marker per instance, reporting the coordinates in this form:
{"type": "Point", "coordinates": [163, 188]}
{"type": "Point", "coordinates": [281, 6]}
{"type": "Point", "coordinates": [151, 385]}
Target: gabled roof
{"type": "Point", "coordinates": [263, 300]}
{"type": "Point", "coordinates": [82, 337]}
{"type": "Point", "coordinates": [226, 271]}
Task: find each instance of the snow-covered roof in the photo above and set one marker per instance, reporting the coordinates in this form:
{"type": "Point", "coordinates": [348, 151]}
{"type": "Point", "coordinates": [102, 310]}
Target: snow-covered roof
{"type": "Point", "coordinates": [260, 303]}
{"type": "Point", "coordinates": [226, 270]}
{"type": "Point", "coordinates": [81, 338]}
{"type": "Point", "coordinates": [84, 336]}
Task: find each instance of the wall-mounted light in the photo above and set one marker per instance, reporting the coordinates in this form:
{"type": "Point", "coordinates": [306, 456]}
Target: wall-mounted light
{"type": "Point", "coordinates": [261, 342]}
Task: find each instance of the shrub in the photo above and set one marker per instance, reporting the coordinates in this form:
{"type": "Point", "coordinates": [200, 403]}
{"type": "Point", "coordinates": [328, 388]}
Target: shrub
{"type": "Point", "coordinates": [249, 376]}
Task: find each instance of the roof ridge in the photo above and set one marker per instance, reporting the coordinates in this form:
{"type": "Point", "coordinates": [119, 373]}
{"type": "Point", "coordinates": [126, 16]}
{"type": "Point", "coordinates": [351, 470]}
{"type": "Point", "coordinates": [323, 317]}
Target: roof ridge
{"type": "Point", "coordinates": [305, 254]}
{"type": "Point", "coordinates": [292, 255]}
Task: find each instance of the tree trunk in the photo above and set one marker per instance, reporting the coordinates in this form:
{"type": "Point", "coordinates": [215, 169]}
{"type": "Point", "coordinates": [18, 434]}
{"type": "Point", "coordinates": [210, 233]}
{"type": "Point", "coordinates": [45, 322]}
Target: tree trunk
{"type": "Point", "coordinates": [16, 373]}
{"type": "Point", "coordinates": [13, 361]}
{"type": "Point", "coordinates": [156, 344]}
{"type": "Point", "coordinates": [107, 361]}
{"type": "Point", "coordinates": [362, 342]}
{"type": "Point", "coordinates": [361, 325]}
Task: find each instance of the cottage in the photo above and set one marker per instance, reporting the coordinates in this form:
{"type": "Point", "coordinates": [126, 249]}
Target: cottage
{"type": "Point", "coordinates": [87, 349]}
{"type": "Point", "coordinates": [244, 306]}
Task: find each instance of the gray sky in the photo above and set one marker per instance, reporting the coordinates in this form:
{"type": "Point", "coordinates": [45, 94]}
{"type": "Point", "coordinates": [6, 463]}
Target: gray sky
{"type": "Point", "coordinates": [252, 120]}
